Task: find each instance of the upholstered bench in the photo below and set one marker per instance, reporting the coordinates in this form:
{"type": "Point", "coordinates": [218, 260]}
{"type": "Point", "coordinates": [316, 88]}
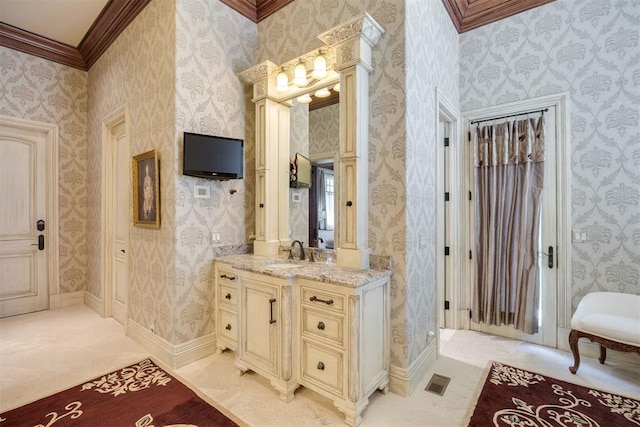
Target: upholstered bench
{"type": "Point", "coordinates": [610, 319]}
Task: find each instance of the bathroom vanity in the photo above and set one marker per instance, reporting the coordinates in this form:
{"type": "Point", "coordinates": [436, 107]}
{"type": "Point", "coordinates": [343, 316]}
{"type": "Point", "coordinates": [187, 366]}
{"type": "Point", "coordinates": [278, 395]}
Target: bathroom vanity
{"type": "Point", "coordinates": [297, 323]}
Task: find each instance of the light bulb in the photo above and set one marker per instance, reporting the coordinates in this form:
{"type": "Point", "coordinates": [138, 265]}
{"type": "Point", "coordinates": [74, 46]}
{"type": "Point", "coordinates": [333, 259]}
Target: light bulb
{"type": "Point", "coordinates": [323, 93]}
{"type": "Point", "coordinates": [300, 75]}
{"type": "Point", "coordinates": [304, 99]}
{"type": "Point", "coordinates": [282, 82]}
{"type": "Point", "coordinates": [319, 67]}
{"type": "Point", "coordinates": [336, 88]}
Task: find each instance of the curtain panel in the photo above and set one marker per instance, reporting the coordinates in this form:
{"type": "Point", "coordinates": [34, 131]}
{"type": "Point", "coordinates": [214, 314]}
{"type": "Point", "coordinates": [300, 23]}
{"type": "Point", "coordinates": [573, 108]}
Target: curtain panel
{"type": "Point", "coordinates": [509, 174]}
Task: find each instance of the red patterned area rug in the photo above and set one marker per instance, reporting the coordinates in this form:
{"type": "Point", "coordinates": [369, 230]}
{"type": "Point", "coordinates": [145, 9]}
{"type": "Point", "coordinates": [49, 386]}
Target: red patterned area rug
{"type": "Point", "coordinates": [517, 398]}
{"type": "Point", "coordinates": [140, 395]}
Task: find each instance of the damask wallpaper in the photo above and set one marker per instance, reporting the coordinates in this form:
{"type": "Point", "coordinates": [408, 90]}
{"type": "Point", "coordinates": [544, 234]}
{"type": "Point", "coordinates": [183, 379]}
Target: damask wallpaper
{"type": "Point", "coordinates": [36, 89]}
{"type": "Point", "coordinates": [401, 193]}
{"type": "Point", "coordinates": [138, 71]}
{"type": "Point", "coordinates": [589, 49]}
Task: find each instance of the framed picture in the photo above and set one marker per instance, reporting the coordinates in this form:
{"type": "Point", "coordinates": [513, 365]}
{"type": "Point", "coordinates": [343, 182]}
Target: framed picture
{"type": "Point", "coordinates": [146, 190]}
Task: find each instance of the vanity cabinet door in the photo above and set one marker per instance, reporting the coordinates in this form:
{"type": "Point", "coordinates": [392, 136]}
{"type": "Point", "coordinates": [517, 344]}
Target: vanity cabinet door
{"type": "Point", "coordinates": [259, 326]}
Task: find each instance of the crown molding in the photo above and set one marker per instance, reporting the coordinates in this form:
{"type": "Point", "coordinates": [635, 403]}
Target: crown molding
{"type": "Point", "coordinates": [36, 45]}
{"type": "Point", "coordinates": [256, 10]}
{"type": "Point", "coordinates": [113, 19]}
{"type": "Point", "coordinates": [469, 14]}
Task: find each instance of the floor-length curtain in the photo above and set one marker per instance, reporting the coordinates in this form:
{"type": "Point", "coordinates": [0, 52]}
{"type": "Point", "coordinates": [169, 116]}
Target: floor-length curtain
{"type": "Point", "coordinates": [509, 173]}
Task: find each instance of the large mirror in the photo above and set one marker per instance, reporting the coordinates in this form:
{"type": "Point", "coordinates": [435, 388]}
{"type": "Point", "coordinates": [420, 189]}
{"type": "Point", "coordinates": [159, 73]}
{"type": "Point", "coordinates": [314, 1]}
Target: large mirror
{"type": "Point", "coordinates": [315, 133]}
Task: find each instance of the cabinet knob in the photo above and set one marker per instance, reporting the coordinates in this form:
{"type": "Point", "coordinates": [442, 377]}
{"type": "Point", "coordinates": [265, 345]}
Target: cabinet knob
{"type": "Point", "coordinates": [320, 366]}
{"type": "Point", "coordinates": [228, 296]}
{"type": "Point", "coordinates": [321, 326]}
{"type": "Point", "coordinates": [349, 203]}
{"type": "Point", "coordinates": [228, 327]}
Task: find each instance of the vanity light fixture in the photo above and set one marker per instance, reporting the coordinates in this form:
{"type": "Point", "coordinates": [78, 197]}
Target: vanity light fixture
{"type": "Point", "coordinates": [282, 81]}
{"type": "Point", "coordinates": [322, 93]}
{"type": "Point", "coordinates": [304, 99]}
{"type": "Point", "coordinates": [319, 66]}
{"type": "Point", "coordinates": [336, 88]}
{"type": "Point", "coordinates": [300, 75]}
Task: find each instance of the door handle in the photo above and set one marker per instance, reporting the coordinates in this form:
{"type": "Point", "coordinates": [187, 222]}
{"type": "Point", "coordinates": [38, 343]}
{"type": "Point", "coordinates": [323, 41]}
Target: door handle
{"type": "Point", "coordinates": [40, 243]}
{"type": "Point", "coordinates": [549, 256]}
{"type": "Point", "coordinates": [122, 250]}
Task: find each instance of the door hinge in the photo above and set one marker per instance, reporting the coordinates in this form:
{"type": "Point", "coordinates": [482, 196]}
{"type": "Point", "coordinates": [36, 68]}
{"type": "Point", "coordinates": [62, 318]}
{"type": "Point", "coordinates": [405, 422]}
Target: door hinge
{"type": "Point", "coordinates": [446, 250]}
{"type": "Point", "coordinates": [469, 195]}
{"type": "Point", "coordinates": [469, 136]}
{"type": "Point", "coordinates": [446, 142]}
{"type": "Point", "coordinates": [470, 257]}
{"type": "Point", "coordinates": [470, 314]}
{"type": "Point", "coordinates": [446, 305]}
{"type": "Point", "coordinates": [446, 196]}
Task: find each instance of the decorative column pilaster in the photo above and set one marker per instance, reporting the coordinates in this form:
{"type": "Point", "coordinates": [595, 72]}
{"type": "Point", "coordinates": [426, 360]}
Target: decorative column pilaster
{"type": "Point", "coordinates": [272, 139]}
{"type": "Point", "coordinates": [353, 43]}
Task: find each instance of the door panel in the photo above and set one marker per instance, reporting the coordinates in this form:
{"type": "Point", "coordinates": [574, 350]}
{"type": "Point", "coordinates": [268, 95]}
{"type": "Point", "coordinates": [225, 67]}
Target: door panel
{"type": "Point", "coordinates": [23, 267]}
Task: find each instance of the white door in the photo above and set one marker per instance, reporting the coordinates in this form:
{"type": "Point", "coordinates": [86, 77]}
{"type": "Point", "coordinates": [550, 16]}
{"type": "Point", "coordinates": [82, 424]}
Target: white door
{"type": "Point", "coordinates": [121, 210]}
{"type": "Point", "coordinates": [23, 198]}
{"type": "Point", "coordinates": [548, 275]}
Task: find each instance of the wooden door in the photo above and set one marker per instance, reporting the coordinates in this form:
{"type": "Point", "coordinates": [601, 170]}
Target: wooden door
{"type": "Point", "coordinates": [121, 182]}
{"type": "Point", "coordinates": [23, 248]}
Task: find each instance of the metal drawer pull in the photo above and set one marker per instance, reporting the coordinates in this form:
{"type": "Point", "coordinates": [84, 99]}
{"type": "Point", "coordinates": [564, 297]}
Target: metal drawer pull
{"type": "Point", "coordinates": [321, 326]}
{"type": "Point", "coordinates": [228, 327]}
{"type": "Point", "coordinates": [271, 319]}
{"type": "Point", "coordinates": [224, 276]}
{"type": "Point", "coordinates": [314, 298]}
{"type": "Point", "coordinates": [228, 296]}
{"type": "Point", "coordinates": [320, 366]}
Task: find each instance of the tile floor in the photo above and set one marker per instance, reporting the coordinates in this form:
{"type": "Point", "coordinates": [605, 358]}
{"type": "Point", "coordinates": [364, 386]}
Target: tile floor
{"type": "Point", "coordinates": [41, 353]}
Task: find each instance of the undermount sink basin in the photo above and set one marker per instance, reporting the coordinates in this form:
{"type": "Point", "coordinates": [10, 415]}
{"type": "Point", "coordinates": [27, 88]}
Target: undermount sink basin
{"type": "Point", "coordinates": [284, 265]}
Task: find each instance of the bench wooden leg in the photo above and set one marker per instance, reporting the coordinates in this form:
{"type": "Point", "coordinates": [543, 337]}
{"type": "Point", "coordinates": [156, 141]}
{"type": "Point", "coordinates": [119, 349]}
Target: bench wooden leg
{"type": "Point", "coordinates": [603, 354]}
{"type": "Point", "coordinates": [573, 344]}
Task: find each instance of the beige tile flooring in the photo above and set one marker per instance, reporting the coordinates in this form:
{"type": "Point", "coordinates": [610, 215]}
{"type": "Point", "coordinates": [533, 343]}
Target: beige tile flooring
{"type": "Point", "coordinates": [41, 353]}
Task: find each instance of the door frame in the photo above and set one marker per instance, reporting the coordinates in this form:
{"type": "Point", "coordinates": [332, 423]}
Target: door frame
{"type": "Point", "coordinates": [51, 132]}
{"type": "Point", "coordinates": [563, 196]}
{"type": "Point", "coordinates": [119, 116]}
{"type": "Point", "coordinates": [448, 113]}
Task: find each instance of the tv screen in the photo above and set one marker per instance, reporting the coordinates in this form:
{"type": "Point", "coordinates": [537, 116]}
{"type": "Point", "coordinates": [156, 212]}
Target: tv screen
{"type": "Point", "coordinates": [213, 157]}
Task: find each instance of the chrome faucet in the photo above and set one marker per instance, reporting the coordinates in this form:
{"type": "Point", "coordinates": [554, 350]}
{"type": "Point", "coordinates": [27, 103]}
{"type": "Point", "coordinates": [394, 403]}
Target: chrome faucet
{"type": "Point", "coordinates": [301, 248]}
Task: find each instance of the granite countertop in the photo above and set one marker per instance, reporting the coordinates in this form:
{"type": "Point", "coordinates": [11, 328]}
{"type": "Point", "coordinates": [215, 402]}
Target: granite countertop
{"type": "Point", "coordinates": [319, 271]}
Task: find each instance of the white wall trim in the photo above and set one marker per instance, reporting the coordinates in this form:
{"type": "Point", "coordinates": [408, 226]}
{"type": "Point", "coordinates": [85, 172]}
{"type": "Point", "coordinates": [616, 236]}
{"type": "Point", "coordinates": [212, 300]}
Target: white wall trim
{"type": "Point", "coordinates": [94, 303]}
{"type": "Point", "coordinates": [563, 184]}
{"type": "Point", "coordinates": [405, 381]}
{"type": "Point", "coordinates": [68, 299]}
{"type": "Point", "coordinates": [174, 356]}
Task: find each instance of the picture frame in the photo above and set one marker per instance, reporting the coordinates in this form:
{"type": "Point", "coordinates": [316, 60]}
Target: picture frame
{"type": "Point", "coordinates": [146, 190]}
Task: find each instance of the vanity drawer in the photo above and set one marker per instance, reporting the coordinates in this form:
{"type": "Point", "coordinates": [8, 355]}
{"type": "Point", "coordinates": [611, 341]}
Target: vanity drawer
{"type": "Point", "coordinates": [226, 275]}
{"type": "Point", "coordinates": [322, 367]}
{"type": "Point", "coordinates": [324, 325]}
{"type": "Point", "coordinates": [227, 322]}
{"type": "Point", "coordinates": [227, 295]}
{"type": "Point", "coordinates": [323, 299]}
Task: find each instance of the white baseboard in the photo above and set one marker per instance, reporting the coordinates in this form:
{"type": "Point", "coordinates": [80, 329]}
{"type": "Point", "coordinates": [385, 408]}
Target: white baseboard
{"type": "Point", "coordinates": [405, 381]}
{"type": "Point", "coordinates": [591, 349]}
{"type": "Point", "coordinates": [94, 303]}
{"type": "Point", "coordinates": [67, 300]}
{"type": "Point", "coordinates": [171, 355]}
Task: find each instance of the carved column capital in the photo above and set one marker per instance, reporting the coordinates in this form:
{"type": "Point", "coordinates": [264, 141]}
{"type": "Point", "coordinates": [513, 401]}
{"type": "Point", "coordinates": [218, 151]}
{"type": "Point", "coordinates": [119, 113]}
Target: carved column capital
{"type": "Point", "coordinates": [353, 41]}
{"type": "Point", "coordinates": [261, 77]}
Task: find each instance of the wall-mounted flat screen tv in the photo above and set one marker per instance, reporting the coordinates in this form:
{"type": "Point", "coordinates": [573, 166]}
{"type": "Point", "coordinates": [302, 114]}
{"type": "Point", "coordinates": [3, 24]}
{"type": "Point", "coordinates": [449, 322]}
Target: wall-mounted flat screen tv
{"type": "Point", "coordinates": [213, 157]}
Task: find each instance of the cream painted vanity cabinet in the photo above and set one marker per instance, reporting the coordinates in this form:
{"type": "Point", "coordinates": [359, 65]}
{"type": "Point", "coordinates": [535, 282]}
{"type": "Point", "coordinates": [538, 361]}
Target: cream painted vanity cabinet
{"type": "Point", "coordinates": [265, 330]}
{"type": "Point", "coordinates": [226, 307]}
{"type": "Point", "coordinates": [343, 342]}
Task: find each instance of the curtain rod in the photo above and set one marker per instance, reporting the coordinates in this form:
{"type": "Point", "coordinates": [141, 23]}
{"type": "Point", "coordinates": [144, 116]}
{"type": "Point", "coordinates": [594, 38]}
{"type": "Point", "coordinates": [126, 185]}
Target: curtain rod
{"type": "Point", "coordinates": [509, 115]}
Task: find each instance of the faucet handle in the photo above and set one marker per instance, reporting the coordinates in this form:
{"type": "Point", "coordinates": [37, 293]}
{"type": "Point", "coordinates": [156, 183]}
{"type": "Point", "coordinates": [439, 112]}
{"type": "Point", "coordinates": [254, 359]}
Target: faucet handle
{"type": "Point", "coordinates": [290, 253]}
{"type": "Point", "coordinates": [311, 258]}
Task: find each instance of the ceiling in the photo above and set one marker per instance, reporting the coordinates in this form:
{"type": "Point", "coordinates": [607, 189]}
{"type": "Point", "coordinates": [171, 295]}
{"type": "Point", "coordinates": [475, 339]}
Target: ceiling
{"type": "Point", "coordinates": [77, 32]}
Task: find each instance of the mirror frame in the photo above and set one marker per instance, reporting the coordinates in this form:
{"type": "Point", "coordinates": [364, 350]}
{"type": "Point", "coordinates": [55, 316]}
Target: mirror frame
{"type": "Point", "coordinates": [348, 52]}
